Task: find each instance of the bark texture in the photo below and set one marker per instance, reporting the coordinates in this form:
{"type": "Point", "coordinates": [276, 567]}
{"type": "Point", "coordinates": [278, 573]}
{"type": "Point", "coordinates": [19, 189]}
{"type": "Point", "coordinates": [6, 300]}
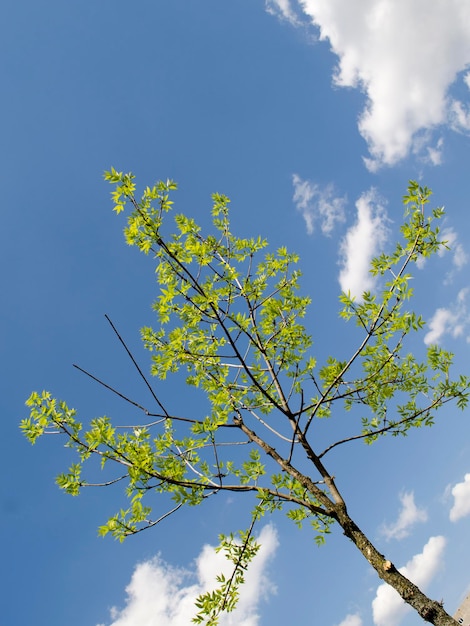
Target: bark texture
{"type": "Point", "coordinates": [430, 610]}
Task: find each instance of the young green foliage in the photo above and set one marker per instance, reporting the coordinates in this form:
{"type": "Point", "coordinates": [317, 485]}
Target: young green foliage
{"type": "Point", "coordinates": [229, 317]}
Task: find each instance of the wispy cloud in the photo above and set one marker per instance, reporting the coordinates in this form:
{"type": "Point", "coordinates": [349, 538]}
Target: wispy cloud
{"type": "Point", "coordinates": [460, 112]}
{"type": "Point", "coordinates": [456, 249]}
{"type": "Point", "coordinates": [362, 242]}
{"type": "Point", "coordinates": [406, 85]}
{"type": "Point", "coordinates": [409, 515]}
{"type": "Point", "coordinates": [160, 595]}
{"type": "Point", "coordinates": [352, 619]}
{"type": "Point", "coordinates": [387, 607]}
{"type": "Point", "coordinates": [283, 9]}
{"type": "Point", "coordinates": [460, 116]}
{"type": "Point", "coordinates": [461, 506]}
{"type": "Point", "coordinates": [318, 204]}
{"type": "Point", "coordinates": [433, 154]}
{"type": "Point", "coordinates": [453, 320]}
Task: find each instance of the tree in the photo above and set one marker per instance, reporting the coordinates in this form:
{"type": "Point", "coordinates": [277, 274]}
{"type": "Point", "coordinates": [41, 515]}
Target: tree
{"type": "Point", "coordinates": [229, 316]}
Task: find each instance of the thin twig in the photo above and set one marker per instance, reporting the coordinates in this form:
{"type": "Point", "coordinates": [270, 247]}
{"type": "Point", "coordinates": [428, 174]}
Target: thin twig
{"type": "Point", "coordinates": [144, 378]}
{"type": "Point", "coordinates": [440, 401]}
{"type": "Point", "coordinates": [157, 521]}
{"type": "Point", "coordinates": [106, 484]}
{"type": "Point", "coordinates": [106, 386]}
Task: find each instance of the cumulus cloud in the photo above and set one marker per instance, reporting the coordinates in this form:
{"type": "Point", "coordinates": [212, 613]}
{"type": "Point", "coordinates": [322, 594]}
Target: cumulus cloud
{"type": "Point", "coordinates": [453, 320]}
{"type": "Point", "coordinates": [362, 242]}
{"type": "Point", "coordinates": [409, 515]}
{"type": "Point", "coordinates": [461, 506]}
{"type": "Point", "coordinates": [404, 71]}
{"type": "Point", "coordinates": [318, 205]}
{"type": "Point", "coordinates": [387, 607]}
{"type": "Point", "coordinates": [351, 620]}
{"type": "Point", "coordinates": [160, 595]}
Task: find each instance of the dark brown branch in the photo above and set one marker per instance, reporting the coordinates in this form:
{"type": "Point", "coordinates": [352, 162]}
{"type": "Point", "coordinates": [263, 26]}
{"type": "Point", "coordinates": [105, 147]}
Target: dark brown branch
{"type": "Point", "coordinates": [187, 484]}
{"type": "Point", "coordinates": [305, 481]}
{"type": "Point", "coordinates": [185, 274]}
{"type": "Point", "coordinates": [296, 426]}
{"type": "Point", "coordinates": [219, 473]}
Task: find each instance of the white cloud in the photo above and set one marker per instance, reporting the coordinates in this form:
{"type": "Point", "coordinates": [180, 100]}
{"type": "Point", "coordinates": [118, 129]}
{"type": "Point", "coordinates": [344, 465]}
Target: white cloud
{"type": "Point", "coordinates": [404, 54]}
{"type": "Point", "coordinates": [160, 595]}
{"type": "Point", "coordinates": [441, 323]}
{"type": "Point", "coordinates": [424, 149]}
{"type": "Point", "coordinates": [387, 607]}
{"type": "Point", "coordinates": [318, 204]}
{"type": "Point", "coordinates": [461, 506]}
{"type": "Point", "coordinates": [351, 620]}
{"type": "Point", "coordinates": [283, 9]}
{"type": "Point", "coordinates": [409, 515]}
{"type": "Point", "coordinates": [459, 256]}
{"type": "Point", "coordinates": [453, 320]}
{"type": "Point", "coordinates": [460, 116]}
{"type": "Point", "coordinates": [361, 243]}
{"type": "Point", "coordinates": [434, 154]}
{"type": "Point", "coordinates": [466, 79]}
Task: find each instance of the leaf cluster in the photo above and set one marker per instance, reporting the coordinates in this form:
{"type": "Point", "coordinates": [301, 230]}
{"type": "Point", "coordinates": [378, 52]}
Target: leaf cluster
{"type": "Point", "coordinates": [229, 316]}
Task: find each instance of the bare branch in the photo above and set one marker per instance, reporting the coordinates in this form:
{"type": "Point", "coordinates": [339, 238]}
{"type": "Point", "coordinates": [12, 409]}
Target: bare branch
{"type": "Point", "coordinates": [106, 484]}
{"type": "Point", "coordinates": [141, 374]}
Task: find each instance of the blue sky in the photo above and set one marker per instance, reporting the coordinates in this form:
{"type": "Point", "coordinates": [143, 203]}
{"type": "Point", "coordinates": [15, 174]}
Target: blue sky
{"type": "Point", "coordinates": [312, 116]}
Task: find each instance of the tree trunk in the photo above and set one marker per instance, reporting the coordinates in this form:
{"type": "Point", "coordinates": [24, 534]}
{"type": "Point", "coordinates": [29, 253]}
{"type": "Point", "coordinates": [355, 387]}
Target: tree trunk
{"type": "Point", "coordinates": [430, 610]}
